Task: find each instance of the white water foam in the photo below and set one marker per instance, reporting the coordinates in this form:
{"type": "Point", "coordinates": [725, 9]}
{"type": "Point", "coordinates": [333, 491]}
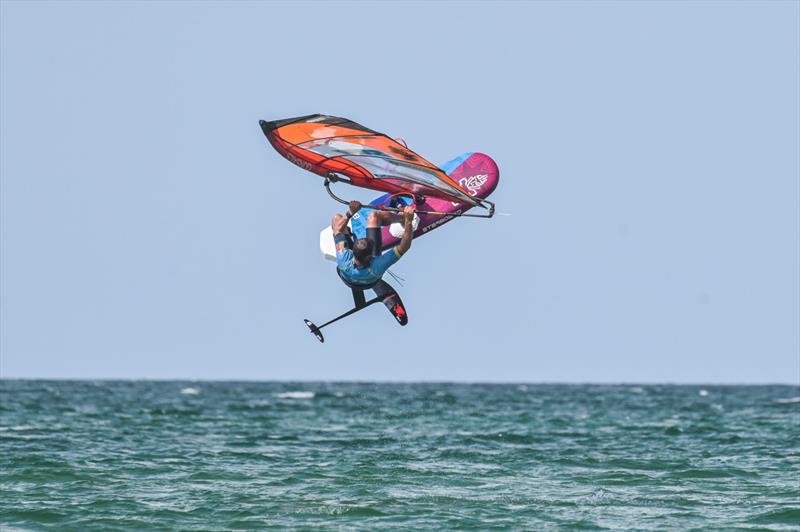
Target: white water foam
{"type": "Point", "coordinates": [788, 400]}
{"type": "Point", "coordinates": [296, 395]}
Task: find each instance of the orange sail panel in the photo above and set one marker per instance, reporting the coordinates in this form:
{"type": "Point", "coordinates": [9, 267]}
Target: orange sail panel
{"type": "Point", "coordinates": [327, 144]}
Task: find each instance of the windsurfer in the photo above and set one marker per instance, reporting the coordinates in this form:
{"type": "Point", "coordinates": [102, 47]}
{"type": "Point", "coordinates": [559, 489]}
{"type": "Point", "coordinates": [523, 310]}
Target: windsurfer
{"type": "Point", "coordinates": [361, 262]}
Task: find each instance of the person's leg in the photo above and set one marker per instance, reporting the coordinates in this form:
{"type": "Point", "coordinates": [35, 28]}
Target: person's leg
{"type": "Point", "coordinates": [381, 218]}
{"type": "Point", "coordinates": [374, 223]}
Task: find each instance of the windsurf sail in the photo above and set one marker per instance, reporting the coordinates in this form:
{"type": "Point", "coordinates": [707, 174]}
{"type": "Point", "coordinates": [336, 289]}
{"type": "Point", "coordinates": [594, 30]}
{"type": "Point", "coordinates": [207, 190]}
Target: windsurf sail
{"type": "Point", "coordinates": [337, 147]}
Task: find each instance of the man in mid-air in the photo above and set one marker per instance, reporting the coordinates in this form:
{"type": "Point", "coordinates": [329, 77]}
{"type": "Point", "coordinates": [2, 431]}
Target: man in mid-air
{"type": "Point", "coordinates": [361, 263]}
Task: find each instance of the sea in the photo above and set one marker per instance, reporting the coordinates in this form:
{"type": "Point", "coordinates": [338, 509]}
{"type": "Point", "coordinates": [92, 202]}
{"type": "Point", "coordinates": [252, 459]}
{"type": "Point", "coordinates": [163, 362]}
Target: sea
{"type": "Point", "coordinates": [157, 455]}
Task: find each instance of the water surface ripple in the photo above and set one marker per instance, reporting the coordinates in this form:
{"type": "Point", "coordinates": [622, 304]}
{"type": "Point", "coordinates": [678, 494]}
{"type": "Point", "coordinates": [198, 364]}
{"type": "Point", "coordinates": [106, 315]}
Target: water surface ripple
{"type": "Point", "coordinates": [221, 456]}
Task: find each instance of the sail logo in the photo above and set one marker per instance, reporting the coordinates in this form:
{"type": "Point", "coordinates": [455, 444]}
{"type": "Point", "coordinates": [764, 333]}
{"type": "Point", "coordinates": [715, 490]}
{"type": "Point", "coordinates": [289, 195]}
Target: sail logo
{"type": "Point", "coordinates": [440, 221]}
{"type": "Point", "coordinates": [299, 162]}
{"type": "Point", "coordinates": [473, 183]}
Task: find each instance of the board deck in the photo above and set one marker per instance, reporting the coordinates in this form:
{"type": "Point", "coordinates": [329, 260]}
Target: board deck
{"type": "Point", "coordinates": [475, 172]}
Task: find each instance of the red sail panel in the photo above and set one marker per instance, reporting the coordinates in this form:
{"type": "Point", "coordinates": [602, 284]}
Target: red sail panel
{"type": "Point", "coordinates": [327, 144]}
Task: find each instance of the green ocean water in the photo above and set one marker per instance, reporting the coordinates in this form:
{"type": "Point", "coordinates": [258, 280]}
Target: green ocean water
{"type": "Point", "coordinates": [224, 456]}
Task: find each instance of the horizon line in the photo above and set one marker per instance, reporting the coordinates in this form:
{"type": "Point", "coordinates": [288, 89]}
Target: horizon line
{"type": "Point", "coordinates": [387, 381]}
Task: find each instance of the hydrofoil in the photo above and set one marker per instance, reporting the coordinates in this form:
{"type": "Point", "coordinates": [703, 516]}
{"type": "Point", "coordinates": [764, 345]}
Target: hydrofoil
{"type": "Point", "coordinates": [384, 293]}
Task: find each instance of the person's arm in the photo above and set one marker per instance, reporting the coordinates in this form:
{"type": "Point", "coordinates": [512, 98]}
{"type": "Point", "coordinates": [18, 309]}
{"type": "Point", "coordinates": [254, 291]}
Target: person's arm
{"type": "Point", "coordinates": [353, 208]}
{"type": "Point", "coordinates": [408, 230]}
{"type": "Point", "coordinates": [339, 222]}
{"type": "Point", "coordinates": [383, 262]}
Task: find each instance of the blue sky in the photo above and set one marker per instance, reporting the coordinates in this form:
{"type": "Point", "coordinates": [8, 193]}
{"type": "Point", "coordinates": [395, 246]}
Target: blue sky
{"type": "Point", "coordinates": [648, 154]}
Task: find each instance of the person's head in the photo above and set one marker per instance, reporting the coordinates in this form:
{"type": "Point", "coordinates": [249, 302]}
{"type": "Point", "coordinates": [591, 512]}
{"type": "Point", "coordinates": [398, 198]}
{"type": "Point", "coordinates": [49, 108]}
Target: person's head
{"type": "Point", "coordinates": [362, 251]}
